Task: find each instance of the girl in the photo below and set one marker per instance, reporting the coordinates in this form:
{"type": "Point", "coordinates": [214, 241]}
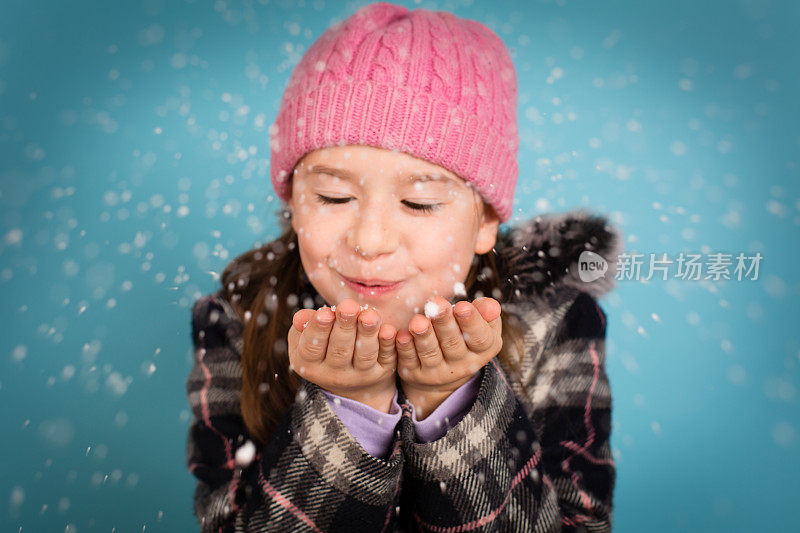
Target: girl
{"type": "Point", "coordinates": [452, 375]}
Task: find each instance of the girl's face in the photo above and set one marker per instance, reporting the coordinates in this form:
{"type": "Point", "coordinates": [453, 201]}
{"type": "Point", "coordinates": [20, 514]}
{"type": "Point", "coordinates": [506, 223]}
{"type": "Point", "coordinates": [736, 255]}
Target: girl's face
{"type": "Point", "coordinates": [380, 215]}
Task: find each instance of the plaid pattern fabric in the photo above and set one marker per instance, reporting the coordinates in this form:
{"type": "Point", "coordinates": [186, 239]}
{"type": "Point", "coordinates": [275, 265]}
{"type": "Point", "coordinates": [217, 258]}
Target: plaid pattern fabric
{"type": "Point", "coordinates": [483, 475]}
{"type": "Point", "coordinates": [316, 477]}
{"type": "Point", "coordinates": [217, 429]}
{"type": "Point", "coordinates": [527, 457]}
{"type": "Point", "coordinates": [540, 465]}
{"type": "Point", "coordinates": [312, 476]}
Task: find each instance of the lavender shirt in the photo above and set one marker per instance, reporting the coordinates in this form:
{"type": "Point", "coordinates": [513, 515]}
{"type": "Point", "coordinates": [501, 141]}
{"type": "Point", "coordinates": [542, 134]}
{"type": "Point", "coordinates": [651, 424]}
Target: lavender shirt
{"type": "Point", "coordinates": [374, 429]}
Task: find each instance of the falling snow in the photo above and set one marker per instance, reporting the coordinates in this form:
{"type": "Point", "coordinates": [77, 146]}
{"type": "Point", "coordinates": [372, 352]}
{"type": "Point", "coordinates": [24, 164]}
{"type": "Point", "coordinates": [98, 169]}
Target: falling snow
{"type": "Point", "coordinates": [109, 239]}
{"type": "Point", "coordinates": [459, 289]}
{"type": "Point", "coordinates": [245, 454]}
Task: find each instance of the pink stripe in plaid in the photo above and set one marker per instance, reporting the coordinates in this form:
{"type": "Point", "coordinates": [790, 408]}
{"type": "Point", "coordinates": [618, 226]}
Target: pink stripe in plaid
{"type": "Point", "coordinates": [284, 502]}
{"type": "Point", "coordinates": [586, 500]}
{"type": "Point", "coordinates": [532, 462]}
{"type": "Point", "coordinates": [229, 463]}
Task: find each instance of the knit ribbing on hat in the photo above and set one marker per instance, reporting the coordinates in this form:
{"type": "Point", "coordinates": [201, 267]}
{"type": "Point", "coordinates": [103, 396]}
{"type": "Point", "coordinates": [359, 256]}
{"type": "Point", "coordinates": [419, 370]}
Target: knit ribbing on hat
{"type": "Point", "coordinates": [428, 84]}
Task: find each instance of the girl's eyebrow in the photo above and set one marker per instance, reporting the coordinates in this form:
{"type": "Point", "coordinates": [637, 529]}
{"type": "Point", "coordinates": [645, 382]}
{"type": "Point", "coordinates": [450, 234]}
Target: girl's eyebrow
{"type": "Point", "coordinates": [433, 176]}
{"type": "Point", "coordinates": [339, 172]}
{"type": "Point", "coordinates": [413, 178]}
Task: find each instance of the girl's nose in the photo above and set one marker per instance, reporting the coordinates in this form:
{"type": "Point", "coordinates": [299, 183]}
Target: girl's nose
{"type": "Point", "coordinates": [372, 233]}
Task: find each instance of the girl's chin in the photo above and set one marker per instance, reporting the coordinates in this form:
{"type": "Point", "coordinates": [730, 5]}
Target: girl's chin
{"type": "Point", "coordinates": [389, 316]}
{"type": "Point", "coordinates": [393, 318]}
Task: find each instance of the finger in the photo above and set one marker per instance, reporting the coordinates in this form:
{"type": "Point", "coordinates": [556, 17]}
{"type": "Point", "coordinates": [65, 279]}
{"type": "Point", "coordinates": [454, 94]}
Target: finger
{"type": "Point", "coordinates": [366, 350]}
{"type": "Point", "coordinates": [449, 335]}
{"type": "Point", "coordinates": [292, 339]}
{"type": "Point", "coordinates": [343, 335]}
{"type": "Point", "coordinates": [301, 318]}
{"type": "Point", "coordinates": [478, 335]}
{"type": "Point", "coordinates": [299, 323]}
{"type": "Point", "coordinates": [407, 360]}
{"type": "Point", "coordinates": [313, 343]}
{"type": "Point", "coordinates": [425, 341]}
{"type": "Point", "coordinates": [387, 352]}
{"type": "Point", "coordinates": [490, 309]}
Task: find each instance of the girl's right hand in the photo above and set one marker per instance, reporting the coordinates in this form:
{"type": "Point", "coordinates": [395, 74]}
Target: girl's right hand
{"type": "Point", "coordinates": [349, 352]}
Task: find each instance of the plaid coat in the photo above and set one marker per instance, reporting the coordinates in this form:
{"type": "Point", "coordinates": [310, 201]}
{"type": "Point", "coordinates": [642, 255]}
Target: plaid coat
{"type": "Point", "coordinates": [524, 458]}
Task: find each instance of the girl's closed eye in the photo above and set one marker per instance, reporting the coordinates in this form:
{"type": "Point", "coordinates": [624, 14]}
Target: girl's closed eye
{"type": "Point", "coordinates": [425, 208]}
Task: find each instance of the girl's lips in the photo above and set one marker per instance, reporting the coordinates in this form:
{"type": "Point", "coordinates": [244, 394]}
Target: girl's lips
{"type": "Point", "coordinates": [377, 290]}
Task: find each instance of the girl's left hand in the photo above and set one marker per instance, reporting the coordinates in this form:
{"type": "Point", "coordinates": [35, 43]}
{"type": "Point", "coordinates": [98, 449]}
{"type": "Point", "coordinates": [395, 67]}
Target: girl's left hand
{"type": "Point", "coordinates": [437, 356]}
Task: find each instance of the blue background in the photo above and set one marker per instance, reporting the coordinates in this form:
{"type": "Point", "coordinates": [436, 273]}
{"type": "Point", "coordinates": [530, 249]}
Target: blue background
{"type": "Point", "coordinates": [134, 166]}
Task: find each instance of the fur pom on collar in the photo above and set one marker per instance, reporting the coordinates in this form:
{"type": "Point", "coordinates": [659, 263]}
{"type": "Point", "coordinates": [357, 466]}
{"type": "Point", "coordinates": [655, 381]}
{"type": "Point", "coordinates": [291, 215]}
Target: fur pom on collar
{"type": "Point", "coordinates": [542, 254]}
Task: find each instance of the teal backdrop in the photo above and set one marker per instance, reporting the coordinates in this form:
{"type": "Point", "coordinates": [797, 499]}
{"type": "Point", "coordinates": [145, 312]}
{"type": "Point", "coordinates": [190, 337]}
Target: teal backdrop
{"type": "Point", "coordinates": [134, 164]}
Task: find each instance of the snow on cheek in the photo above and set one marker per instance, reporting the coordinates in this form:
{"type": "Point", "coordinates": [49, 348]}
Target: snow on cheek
{"type": "Point", "coordinates": [459, 289]}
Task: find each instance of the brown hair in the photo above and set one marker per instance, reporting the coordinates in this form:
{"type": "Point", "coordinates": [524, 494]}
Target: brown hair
{"type": "Point", "coordinates": [266, 307]}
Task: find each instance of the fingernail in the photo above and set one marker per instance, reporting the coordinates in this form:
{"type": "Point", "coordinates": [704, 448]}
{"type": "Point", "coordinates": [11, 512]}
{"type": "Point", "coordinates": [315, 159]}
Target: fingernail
{"type": "Point", "coordinates": [464, 313]}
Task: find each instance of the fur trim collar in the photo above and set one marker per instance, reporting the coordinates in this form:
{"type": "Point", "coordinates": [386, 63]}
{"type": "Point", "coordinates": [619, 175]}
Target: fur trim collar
{"type": "Point", "coordinates": [542, 254]}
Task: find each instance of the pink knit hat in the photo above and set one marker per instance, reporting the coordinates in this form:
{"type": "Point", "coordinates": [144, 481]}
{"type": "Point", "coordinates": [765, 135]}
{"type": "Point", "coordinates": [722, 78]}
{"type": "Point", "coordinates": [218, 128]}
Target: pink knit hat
{"type": "Point", "coordinates": [429, 84]}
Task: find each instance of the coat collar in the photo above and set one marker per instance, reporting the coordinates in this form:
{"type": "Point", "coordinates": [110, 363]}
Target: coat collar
{"type": "Point", "coordinates": [542, 253]}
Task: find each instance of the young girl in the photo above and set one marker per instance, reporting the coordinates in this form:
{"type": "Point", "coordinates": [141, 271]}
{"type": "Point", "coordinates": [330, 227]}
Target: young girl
{"type": "Point", "coordinates": [394, 361]}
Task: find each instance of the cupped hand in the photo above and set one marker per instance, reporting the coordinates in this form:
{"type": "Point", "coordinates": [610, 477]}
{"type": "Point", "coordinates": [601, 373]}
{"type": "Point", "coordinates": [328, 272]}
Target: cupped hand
{"type": "Point", "coordinates": [348, 352]}
{"type": "Point", "coordinates": [437, 356]}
